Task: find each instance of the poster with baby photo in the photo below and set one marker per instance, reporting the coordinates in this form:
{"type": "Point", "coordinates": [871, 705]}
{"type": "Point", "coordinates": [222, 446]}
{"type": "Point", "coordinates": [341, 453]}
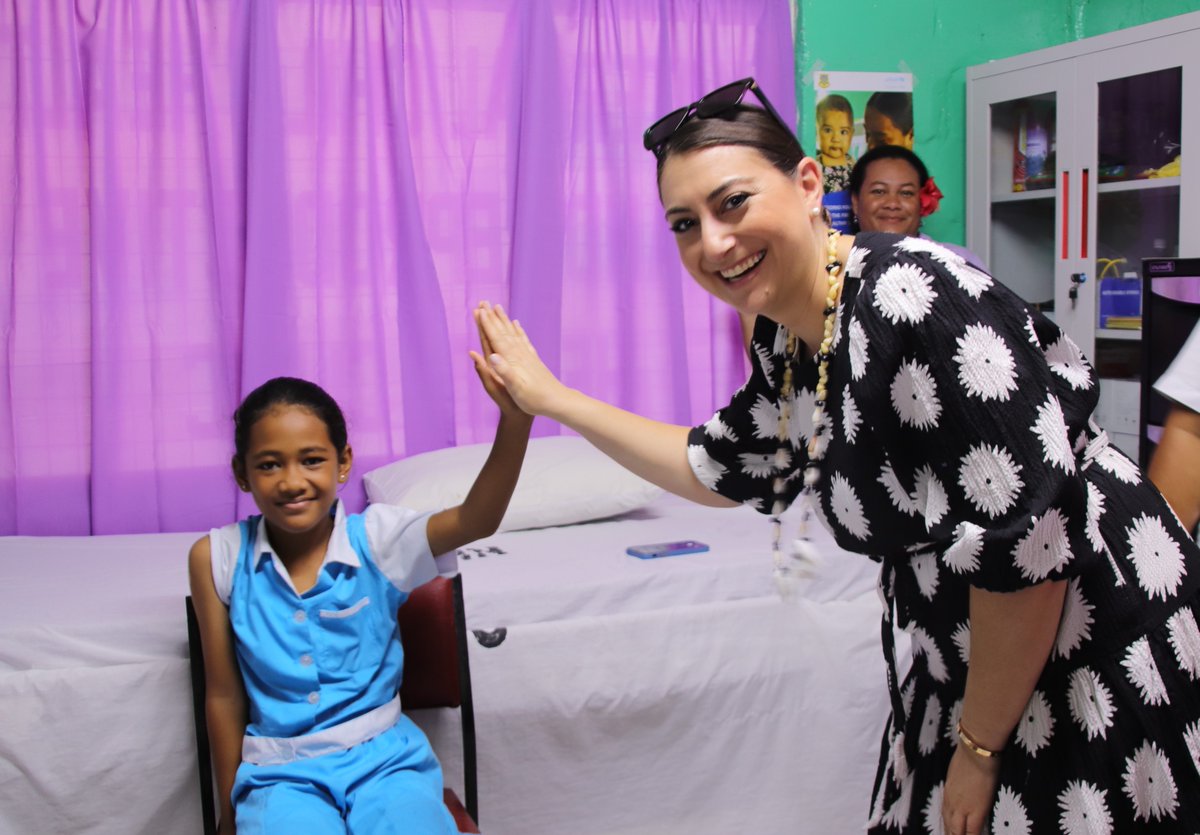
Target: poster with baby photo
{"type": "Point", "coordinates": [857, 111]}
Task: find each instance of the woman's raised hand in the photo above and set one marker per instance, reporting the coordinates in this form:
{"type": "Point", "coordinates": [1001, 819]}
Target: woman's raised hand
{"type": "Point", "coordinates": [491, 383]}
{"type": "Point", "coordinates": [514, 363]}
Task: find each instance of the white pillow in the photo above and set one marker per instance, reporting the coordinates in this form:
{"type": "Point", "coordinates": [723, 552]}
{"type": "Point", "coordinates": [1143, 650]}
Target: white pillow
{"type": "Point", "coordinates": [564, 480]}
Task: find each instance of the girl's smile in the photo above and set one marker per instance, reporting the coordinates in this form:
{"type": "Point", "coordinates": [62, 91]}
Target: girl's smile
{"type": "Point", "coordinates": [293, 471]}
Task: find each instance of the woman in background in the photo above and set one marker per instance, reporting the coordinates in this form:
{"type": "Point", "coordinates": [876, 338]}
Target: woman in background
{"type": "Point", "coordinates": [1050, 593]}
{"type": "Point", "coordinates": [891, 191]}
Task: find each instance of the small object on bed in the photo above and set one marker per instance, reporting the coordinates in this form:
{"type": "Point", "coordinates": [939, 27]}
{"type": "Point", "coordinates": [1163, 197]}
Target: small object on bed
{"type": "Point", "coordinates": [666, 549]}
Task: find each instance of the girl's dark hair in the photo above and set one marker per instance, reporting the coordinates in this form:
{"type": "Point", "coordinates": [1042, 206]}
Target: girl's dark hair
{"type": "Point", "coordinates": [896, 106]}
{"type": "Point", "coordinates": [739, 125]}
{"type": "Point", "coordinates": [287, 391]}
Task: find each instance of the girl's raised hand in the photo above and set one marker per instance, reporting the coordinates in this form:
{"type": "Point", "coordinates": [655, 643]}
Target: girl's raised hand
{"type": "Point", "coordinates": [513, 361]}
{"type": "Point", "coordinates": [492, 383]}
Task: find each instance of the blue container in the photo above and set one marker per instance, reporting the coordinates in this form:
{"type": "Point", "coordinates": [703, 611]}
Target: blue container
{"type": "Point", "coordinates": [1121, 297]}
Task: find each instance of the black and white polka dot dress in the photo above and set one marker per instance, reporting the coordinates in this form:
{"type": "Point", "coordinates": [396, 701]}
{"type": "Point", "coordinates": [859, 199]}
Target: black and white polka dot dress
{"type": "Point", "coordinates": [960, 451]}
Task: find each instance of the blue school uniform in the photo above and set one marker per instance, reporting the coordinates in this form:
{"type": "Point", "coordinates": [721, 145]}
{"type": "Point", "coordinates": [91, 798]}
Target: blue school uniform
{"type": "Point", "coordinates": [326, 747]}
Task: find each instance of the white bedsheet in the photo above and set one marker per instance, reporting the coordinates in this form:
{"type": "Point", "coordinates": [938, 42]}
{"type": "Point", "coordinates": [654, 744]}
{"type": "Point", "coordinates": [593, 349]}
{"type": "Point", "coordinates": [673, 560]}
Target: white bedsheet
{"type": "Point", "coordinates": [730, 717]}
{"type": "Point", "coordinates": [627, 697]}
{"type": "Point", "coordinates": [95, 700]}
{"type": "Point", "coordinates": [582, 570]}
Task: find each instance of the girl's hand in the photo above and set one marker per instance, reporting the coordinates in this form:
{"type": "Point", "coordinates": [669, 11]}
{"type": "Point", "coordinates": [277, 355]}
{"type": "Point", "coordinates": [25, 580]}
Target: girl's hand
{"type": "Point", "coordinates": [969, 793]}
{"type": "Point", "coordinates": [491, 383]}
{"type": "Point", "coordinates": [513, 362]}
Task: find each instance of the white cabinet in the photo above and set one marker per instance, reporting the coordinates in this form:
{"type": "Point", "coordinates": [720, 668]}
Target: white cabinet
{"type": "Point", "coordinates": [1075, 169]}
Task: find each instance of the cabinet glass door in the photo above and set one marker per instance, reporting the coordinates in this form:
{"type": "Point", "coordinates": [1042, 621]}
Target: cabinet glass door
{"type": "Point", "coordinates": [1138, 174]}
{"type": "Point", "coordinates": [1015, 158]}
{"type": "Point", "coordinates": [1025, 195]}
{"type": "Point", "coordinates": [1135, 116]}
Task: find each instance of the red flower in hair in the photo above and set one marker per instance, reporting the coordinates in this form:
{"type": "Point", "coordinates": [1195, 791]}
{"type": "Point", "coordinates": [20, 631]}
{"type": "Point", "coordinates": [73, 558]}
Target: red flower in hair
{"type": "Point", "coordinates": [931, 195]}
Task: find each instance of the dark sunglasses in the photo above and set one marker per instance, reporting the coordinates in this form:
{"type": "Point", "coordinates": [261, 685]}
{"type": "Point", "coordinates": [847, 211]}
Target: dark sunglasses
{"type": "Point", "coordinates": [706, 107]}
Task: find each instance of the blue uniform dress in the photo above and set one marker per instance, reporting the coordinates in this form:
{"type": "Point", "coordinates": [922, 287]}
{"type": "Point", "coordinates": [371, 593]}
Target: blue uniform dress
{"type": "Point", "coordinates": [326, 747]}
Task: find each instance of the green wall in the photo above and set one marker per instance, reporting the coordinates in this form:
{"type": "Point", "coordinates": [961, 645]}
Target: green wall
{"type": "Point", "coordinates": [936, 40]}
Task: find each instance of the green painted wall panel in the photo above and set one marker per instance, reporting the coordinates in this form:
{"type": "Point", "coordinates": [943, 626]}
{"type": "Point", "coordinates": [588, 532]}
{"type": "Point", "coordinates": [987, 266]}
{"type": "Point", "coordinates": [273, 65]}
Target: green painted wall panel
{"type": "Point", "coordinates": [936, 40]}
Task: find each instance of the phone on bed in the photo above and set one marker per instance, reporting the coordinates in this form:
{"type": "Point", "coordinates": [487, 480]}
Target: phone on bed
{"type": "Point", "coordinates": [666, 549]}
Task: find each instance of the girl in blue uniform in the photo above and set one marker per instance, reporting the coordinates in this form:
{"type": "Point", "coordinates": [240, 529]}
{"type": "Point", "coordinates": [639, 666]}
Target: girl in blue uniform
{"type": "Point", "coordinates": [297, 611]}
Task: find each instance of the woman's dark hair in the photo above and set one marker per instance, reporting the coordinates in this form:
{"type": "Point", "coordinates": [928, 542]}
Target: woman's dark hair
{"type": "Point", "coordinates": [287, 391]}
{"type": "Point", "coordinates": [858, 174]}
{"type": "Point", "coordinates": [896, 106]}
{"type": "Point", "coordinates": [739, 125]}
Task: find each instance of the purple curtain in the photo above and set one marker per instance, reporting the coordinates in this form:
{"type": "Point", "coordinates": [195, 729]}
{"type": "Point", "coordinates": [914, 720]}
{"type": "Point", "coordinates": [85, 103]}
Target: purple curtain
{"type": "Point", "coordinates": [196, 196]}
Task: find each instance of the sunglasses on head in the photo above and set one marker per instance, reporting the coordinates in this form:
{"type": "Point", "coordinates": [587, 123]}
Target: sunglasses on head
{"type": "Point", "coordinates": [706, 107]}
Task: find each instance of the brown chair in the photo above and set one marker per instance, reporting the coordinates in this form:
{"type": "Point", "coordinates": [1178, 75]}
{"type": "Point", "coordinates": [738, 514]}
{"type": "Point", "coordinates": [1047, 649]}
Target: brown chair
{"type": "Point", "coordinates": [437, 674]}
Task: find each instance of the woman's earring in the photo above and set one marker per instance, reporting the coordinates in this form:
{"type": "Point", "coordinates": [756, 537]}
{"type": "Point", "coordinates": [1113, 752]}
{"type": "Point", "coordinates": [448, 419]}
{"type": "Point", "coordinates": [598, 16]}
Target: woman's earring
{"type": "Point", "coordinates": [342, 477]}
{"type": "Point", "coordinates": [816, 211]}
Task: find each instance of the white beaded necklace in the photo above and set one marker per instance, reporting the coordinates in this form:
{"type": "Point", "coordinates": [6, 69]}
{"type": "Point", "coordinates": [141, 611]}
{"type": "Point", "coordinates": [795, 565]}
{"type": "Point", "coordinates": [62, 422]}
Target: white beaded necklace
{"type": "Point", "coordinates": [803, 554]}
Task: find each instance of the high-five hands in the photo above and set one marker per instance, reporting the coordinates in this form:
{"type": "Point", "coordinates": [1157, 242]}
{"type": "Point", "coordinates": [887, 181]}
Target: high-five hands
{"type": "Point", "coordinates": [492, 384]}
{"type": "Point", "coordinates": [513, 362]}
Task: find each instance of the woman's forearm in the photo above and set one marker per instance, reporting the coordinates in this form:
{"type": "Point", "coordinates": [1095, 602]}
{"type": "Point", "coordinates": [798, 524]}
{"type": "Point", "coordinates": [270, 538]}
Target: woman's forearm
{"type": "Point", "coordinates": [654, 450]}
{"type": "Point", "coordinates": [1012, 634]}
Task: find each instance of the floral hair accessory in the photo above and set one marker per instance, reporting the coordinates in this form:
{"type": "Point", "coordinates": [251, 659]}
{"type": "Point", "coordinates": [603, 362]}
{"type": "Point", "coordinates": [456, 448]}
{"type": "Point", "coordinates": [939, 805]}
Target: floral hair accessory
{"type": "Point", "coordinates": [931, 195]}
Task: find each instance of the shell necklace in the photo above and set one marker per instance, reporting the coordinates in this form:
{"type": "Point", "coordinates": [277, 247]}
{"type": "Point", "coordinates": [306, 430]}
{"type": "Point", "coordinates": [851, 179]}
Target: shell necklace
{"type": "Point", "coordinates": [802, 556]}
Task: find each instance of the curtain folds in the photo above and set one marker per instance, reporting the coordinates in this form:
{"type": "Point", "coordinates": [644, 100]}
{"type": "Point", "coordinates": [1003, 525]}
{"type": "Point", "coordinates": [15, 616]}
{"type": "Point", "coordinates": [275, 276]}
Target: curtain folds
{"type": "Point", "coordinates": [196, 196]}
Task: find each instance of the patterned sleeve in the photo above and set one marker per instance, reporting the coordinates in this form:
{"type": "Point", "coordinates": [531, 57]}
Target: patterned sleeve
{"type": "Point", "coordinates": [734, 453]}
{"type": "Point", "coordinates": [977, 403]}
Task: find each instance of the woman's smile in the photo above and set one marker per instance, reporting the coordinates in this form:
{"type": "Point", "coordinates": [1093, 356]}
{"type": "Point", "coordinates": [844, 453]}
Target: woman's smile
{"type": "Point", "coordinates": [744, 268]}
{"type": "Point", "coordinates": [729, 209]}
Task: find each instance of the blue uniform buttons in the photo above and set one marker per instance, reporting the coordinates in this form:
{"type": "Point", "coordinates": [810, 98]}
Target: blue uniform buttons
{"type": "Point", "coordinates": [314, 697]}
{"type": "Point", "coordinates": [305, 660]}
{"type": "Point", "coordinates": [300, 617]}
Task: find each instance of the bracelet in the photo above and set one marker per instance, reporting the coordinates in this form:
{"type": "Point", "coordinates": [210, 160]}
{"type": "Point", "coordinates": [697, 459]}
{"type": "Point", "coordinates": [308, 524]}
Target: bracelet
{"type": "Point", "coordinates": [971, 744]}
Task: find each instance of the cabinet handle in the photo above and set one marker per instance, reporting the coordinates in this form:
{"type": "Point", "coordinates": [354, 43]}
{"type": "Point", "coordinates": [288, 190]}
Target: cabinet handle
{"type": "Point", "coordinates": [1066, 213]}
{"type": "Point", "coordinates": [1083, 226]}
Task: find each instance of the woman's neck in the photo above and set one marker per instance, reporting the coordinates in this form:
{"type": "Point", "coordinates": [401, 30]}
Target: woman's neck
{"type": "Point", "coordinates": [809, 323]}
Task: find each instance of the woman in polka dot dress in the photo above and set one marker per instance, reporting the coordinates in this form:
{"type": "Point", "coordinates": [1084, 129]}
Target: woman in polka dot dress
{"type": "Point", "coordinates": [1050, 594]}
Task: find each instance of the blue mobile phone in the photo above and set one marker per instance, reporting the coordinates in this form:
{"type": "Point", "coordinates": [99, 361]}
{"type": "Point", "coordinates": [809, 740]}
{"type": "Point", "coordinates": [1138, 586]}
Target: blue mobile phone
{"type": "Point", "coordinates": [666, 549]}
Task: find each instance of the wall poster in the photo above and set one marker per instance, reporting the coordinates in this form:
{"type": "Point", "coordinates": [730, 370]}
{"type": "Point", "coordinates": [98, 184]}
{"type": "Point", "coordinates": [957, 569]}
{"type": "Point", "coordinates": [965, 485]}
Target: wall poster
{"type": "Point", "coordinates": [857, 111]}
